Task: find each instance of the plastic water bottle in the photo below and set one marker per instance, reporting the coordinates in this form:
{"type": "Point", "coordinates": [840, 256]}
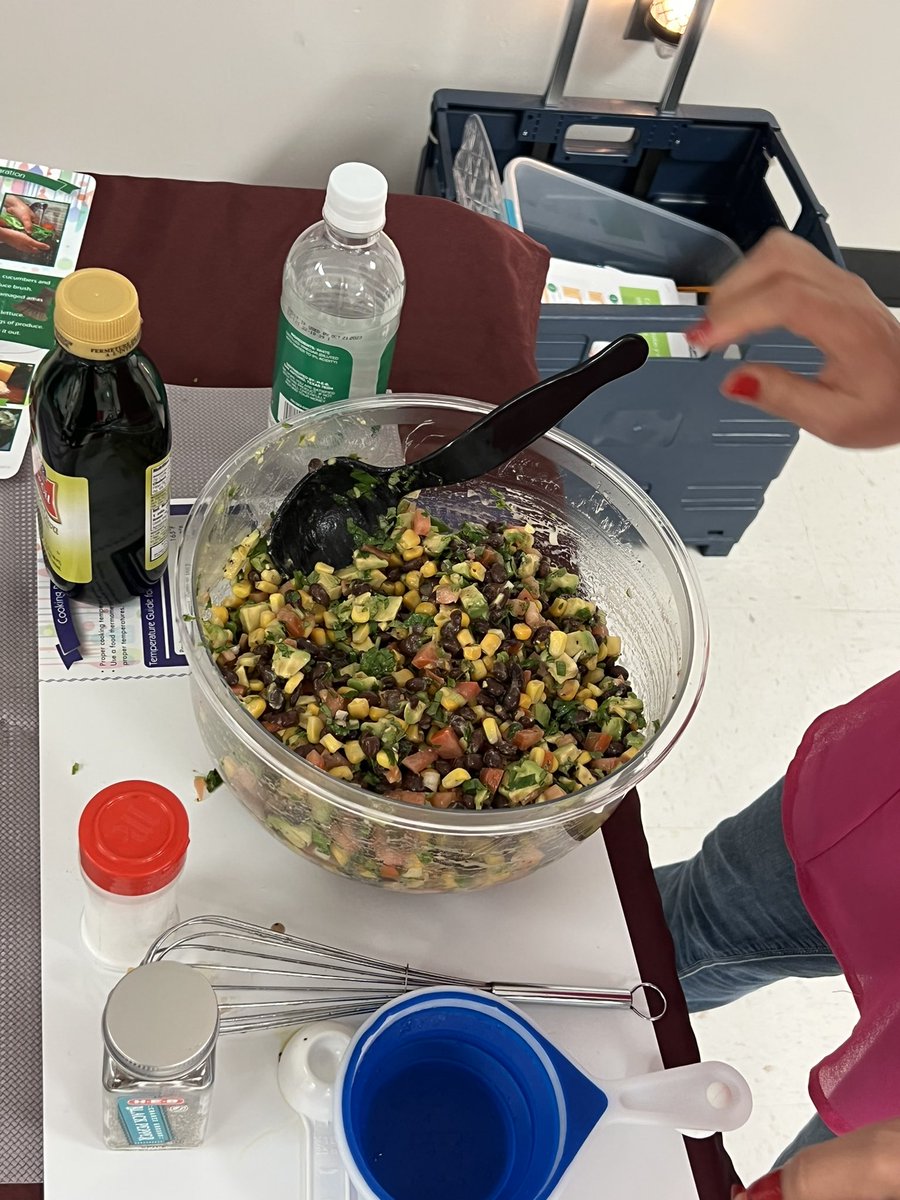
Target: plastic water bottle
{"type": "Point", "coordinates": [341, 298]}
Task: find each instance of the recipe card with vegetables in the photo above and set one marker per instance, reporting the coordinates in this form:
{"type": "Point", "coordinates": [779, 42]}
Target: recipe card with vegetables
{"type": "Point", "coordinates": [43, 213]}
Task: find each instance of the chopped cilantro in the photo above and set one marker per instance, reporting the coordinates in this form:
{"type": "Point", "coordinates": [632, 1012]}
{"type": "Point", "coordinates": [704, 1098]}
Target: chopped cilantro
{"type": "Point", "coordinates": [498, 499]}
{"type": "Point", "coordinates": [76, 767]}
{"type": "Point", "coordinates": [377, 662]}
{"type": "Point", "coordinates": [213, 780]}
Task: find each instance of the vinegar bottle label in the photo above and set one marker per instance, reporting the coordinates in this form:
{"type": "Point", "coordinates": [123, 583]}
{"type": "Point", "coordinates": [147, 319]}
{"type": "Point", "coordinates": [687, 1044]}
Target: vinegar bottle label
{"type": "Point", "coordinates": [156, 548]}
{"type": "Point", "coordinates": [65, 522]}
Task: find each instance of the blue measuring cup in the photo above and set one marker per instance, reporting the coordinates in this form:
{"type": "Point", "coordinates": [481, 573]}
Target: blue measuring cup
{"type": "Point", "coordinates": [452, 1094]}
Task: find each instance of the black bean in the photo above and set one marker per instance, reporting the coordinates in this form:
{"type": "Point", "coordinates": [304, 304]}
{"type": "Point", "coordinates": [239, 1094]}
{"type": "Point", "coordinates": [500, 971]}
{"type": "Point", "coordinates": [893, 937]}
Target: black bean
{"type": "Point", "coordinates": [511, 697]}
{"type": "Point", "coordinates": [417, 685]}
{"type": "Point", "coordinates": [493, 687]}
{"type": "Point", "coordinates": [411, 645]}
{"type": "Point", "coordinates": [582, 716]}
{"type": "Point", "coordinates": [413, 782]}
{"type": "Point", "coordinates": [499, 801]}
{"type": "Point", "coordinates": [315, 464]}
{"type": "Point", "coordinates": [616, 672]}
{"type": "Point", "coordinates": [319, 594]}
{"type": "Point", "coordinates": [320, 671]}
{"type": "Point", "coordinates": [496, 526]}
{"type": "Point", "coordinates": [473, 762]}
{"type": "Point", "coordinates": [501, 672]}
{"type": "Point", "coordinates": [479, 629]}
{"type": "Point", "coordinates": [466, 800]}
{"type": "Point", "coordinates": [393, 699]}
{"type": "Point", "coordinates": [493, 758]}
{"type": "Point", "coordinates": [372, 697]}
{"type": "Point", "coordinates": [306, 644]}
{"type": "Point", "coordinates": [254, 576]}
{"type": "Point", "coordinates": [370, 745]}
{"type": "Point", "coordinates": [359, 587]}
{"type": "Point", "coordinates": [478, 741]}
{"type": "Point", "coordinates": [497, 572]}
{"type": "Point", "coordinates": [455, 622]}
{"type": "Point", "coordinates": [526, 722]}
{"type": "Point", "coordinates": [283, 720]}
{"type": "Point", "coordinates": [506, 748]}
{"type": "Point", "coordinates": [459, 724]}
{"type": "Point", "coordinates": [424, 721]}
{"type": "Point", "coordinates": [543, 570]}
{"type": "Point", "coordinates": [490, 591]}
{"type": "Point", "coordinates": [266, 675]}
{"type": "Point", "coordinates": [414, 563]}
{"type": "Point", "coordinates": [443, 767]}
{"type": "Point", "coordinates": [449, 640]}
{"type": "Point", "coordinates": [230, 676]}
{"type": "Point", "coordinates": [494, 540]}
{"type": "Point", "coordinates": [392, 574]}
{"type": "Point", "coordinates": [624, 689]}
{"type": "Point", "coordinates": [614, 749]}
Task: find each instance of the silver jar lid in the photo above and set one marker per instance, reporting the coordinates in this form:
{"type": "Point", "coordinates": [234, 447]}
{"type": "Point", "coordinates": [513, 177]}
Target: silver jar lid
{"type": "Point", "coordinates": [161, 1020]}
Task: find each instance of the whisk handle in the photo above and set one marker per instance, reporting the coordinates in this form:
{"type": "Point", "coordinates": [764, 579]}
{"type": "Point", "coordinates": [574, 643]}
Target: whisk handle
{"type": "Point", "coordinates": [653, 1007]}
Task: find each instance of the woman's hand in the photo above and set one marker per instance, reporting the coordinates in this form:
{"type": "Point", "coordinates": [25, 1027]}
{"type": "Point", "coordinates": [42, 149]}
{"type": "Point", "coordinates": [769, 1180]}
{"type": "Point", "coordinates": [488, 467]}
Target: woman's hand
{"type": "Point", "coordinates": [864, 1165]}
{"type": "Point", "coordinates": [17, 240]}
{"type": "Point", "coordinates": [785, 283]}
{"type": "Point", "coordinates": [17, 208]}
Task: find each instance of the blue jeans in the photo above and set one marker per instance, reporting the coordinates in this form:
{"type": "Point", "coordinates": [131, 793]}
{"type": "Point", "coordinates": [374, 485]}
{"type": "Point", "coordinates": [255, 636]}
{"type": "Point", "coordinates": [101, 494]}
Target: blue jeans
{"type": "Point", "coordinates": [738, 921]}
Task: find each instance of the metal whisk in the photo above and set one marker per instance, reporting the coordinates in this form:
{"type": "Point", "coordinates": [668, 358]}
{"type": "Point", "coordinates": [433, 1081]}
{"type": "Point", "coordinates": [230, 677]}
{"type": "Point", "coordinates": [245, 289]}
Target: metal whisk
{"type": "Point", "coordinates": [266, 980]}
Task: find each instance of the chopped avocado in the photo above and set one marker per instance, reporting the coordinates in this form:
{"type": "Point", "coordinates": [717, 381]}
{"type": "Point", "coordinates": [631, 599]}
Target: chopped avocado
{"type": "Point", "coordinates": [615, 728]}
{"type": "Point", "coordinates": [567, 754]}
{"type": "Point", "coordinates": [522, 780]}
{"type": "Point", "coordinates": [436, 544]}
{"type": "Point", "coordinates": [362, 683]}
{"type": "Point", "coordinates": [474, 603]}
{"type": "Point", "coordinates": [635, 740]}
{"type": "Point", "coordinates": [579, 643]}
{"type": "Point", "coordinates": [368, 562]}
{"type": "Point", "coordinates": [542, 714]}
{"type": "Point", "coordinates": [297, 835]}
{"type": "Point", "coordinates": [479, 793]}
{"type": "Point", "coordinates": [287, 661]}
{"type": "Point", "coordinates": [384, 609]}
{"type": "Point", "coordinates": [563, 668]}
{"type": "Point", "coordinates": [560, 581]}
{"type": "Point", "coordinates": [578, 609]}
{"type": "Point", "coordinates": [519, 537]}
{"type": "Point", "coordinates": [250, 614]}
{"type": "Point", "coordinates": [528, 565]}
{"type": "Point", "coordinates": [330, 583]}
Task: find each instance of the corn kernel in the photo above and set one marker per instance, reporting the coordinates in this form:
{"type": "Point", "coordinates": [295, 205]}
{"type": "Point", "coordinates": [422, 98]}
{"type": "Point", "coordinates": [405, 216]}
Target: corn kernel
{"type": "Point", "coordinates": [256, 638]}
{"type": "Point", "coordinates": [360, 634]}
{"type": "Point", "coordinates": [293, 683]}
{"type": "Point", "coordinates": [522, 631]}
{"type": "Point", "coordinates": [488, 661]}
{"type": "Point", "coordinates": [256, 685]}
{"type": "Point", "coordinates": [324, 568]}
{"type": "Point", "coordinates": [471, 653]}
{"type": "Point", "coordinates": [491, 730]}
{"type": "Point", "coordinates": [271, 576]}
{"type": "Point", "coordinates": [338, 853]}
{"type": "Point", "coordinates": [359, 614]}
{"type": "Point", "coordinates": [219, 614]}
{"type": "Point", "coordinates": [582, 694]}
{"type": "Point", "coordinates": [593, 678]}
{"type": "Point", "coordinates": [584, 776]}
{"type": "Point", "coordinates": [491, 642]}
{"type": "Point", "coordinates": [602, 650]}
{"type": "Point", "coordinates": [441, 618]}
{"type": "Point", "coordinates": [403, 676]}
{"type": "Point", "coordinates": [354, 753]}
{"type": "Point", "coordinates": [394, 560]}
{"type": "Point", "coordinates": [412, 579]}
{"type": "Point", "coordinates": [583, 758]}
{"type": "Point", "coordinates": [411, 601]}
{"type": "Point", "coordinates": [477, 571]}
{"type": "Point", "coordinates": [629, 754]}
{"type": "Point", "coordinates": [613, 647]}
{"type": "Point", "coordinates": [569, 690]}
{"type": "Point", "coordinates": [536, 754]}
{"type": "Point", "coordinates": [384, 759]}
{"type": "Point", "coordinates": [478, 669]}
{"type": "Point", "coordinates": [330, 742]}
{"type": "Point", "coordinates": [232, 601]}
{"type": "Point", "coordinates": [451, 700]}
{"type": "Point", "coordinates": [269, 588]}
{"type": "Point", "coordinates": [550, 762]}
{"type": "Point", "coordinates": [556, 644]}
{"type": "Point", "coordinates": [466, 620]}
{"type": "Point", "coordinates": [340, 773]}
{"type": "Point", "coordinates": [358, 709]}
{"type": "Point", "coordinates": [314, 728]}
{"type": "Point", "coordinates": [465, 638]}
{"type": "Point", "coordinates": [266, 619]}
{"type": "Point", "coordinates": [276, 602]}
{"type": "Point", "coordinates": [453, 779]}
{"type": "Point", "coordinates": [428, 569]}
{"type": "Point", "coordinates": [408, 539]}
{"type": "Point", "coordinates": [255, 706]}
{"type": "Point", "coordinates": [427, 608]}
{"type": "Point", "coordinates": [558, 607]}
{"type": "Point", "coordinates": [411, 553]}
{"type": "Point", "coordinates": [590, 704]}
{"type": "Point", "coordinates": [525, 700]}
{"type": "Point", "coordinates": [242, 590]}
{"type": "Point", "coordinates": [535, 689]}
{"type": "Point", "coordinates": [318, 637]}
{"type": "Point", "coordinates": [377, 713]}
{"type": "Point", "coordinates": [412, 733]}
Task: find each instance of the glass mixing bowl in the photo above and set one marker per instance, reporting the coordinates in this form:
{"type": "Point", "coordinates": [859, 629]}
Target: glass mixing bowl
{"type": "Point", "coordinates": [601, 524]}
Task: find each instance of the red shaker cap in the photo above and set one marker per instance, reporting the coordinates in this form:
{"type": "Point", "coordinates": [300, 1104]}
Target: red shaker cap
{"type": "Point", "coordinates": [133, 838]}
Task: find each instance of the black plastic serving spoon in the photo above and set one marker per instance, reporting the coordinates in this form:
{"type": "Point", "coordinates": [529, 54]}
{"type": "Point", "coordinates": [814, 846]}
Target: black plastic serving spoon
{"type": "Point", "coordinates": [318, 518]}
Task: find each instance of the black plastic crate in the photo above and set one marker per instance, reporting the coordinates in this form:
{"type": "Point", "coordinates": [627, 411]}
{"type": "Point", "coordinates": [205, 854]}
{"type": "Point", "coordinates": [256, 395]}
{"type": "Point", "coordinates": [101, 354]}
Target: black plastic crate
{"type": "Point", "coordinates": [706, 462]}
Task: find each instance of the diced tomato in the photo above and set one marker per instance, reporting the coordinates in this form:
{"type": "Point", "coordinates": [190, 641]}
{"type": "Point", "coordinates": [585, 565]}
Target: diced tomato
{"type": "Point", "coordinates": [427, 656]}
{"type": "Point", "coordinates": [292, 621]}
{"type": "Point", "coordinates": [528, 597]}
{"type": "Point", "coordinates": [491, 777]}
{"type": "Point", "coordinates": [390, 855]}
{"type": "Point", "coordinates": [553, 792]}
{"type": "Point", "coordinates": [345, 839]}
{"type": "Point", "coordinates": [444, 799]}
{"type": "Point", "coordinates": [446, 743]}
{"type": "Point", "coordinates": [408, 798]}
{"type": "Point", "coordinates": [316, 759]}
{"type": "Point", "coordinates": [566, 739]}
{"type": "Point", "coordinates": [469, 691]}
{"type": "Point", "coordinates": [548, 761]}
{"type": "Point", "coordinates": [489, 556]}
{"type": "Point", "coordinates": [526, 676]}
{"type": "Point", "coordinates": [421, 523]}
{"type": "Point", "coordinates": [333, 701]}
{"type": "Point", "coordinates": [445, 595]}
{"type": "Point", "coordinates": [526, 738]}
{"type": "Point", "coordinates": [596, 743]}
{"type": "Point", "coordinates": [393, 774]}
{"type": "Point", "coordinates": [334, 760]}
{"type": "Point", "coordinates": [605, 764]}
{"type": "Point", "coordinates": [420, 761]}
{"type": "Point", "coordinates": [389, 873]}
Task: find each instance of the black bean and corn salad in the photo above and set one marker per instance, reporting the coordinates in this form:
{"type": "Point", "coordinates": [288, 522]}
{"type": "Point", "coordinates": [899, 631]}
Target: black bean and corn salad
{"type": "Point", "coordinates": [454, 668]}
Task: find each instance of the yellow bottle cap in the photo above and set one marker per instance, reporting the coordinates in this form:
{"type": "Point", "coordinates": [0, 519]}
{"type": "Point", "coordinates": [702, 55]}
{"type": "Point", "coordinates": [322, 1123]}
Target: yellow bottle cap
{"type": "Point", "coordinates": [96, 314]}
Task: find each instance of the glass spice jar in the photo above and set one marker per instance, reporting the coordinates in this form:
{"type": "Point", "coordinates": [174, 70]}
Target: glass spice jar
{"type": "Point", "coordinates": [160, 1027]}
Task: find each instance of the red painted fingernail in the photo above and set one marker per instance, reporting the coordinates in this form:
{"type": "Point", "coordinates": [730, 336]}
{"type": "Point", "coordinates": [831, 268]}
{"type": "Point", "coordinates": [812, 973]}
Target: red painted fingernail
{"type": "Point", "coordinates": [700, 333]}
{"type": "Point", "coordinates": [767, 1188]}
{"type": "Point", "coordinates": [738, 1193]}
{"type": "Point", "coordinates": [744, 387]}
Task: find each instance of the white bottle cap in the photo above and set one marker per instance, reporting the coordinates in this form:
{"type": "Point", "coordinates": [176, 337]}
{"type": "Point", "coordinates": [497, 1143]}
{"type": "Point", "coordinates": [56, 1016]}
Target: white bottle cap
{"type": "Point", "coordinates": [355, 199]}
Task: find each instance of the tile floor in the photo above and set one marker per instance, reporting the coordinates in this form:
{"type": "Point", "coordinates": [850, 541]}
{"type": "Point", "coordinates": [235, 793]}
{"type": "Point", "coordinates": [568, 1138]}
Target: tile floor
{"type": "Point", "coordinates": [810, 599]}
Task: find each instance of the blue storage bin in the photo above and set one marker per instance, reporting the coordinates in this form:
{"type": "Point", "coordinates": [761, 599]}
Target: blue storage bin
{"type": "Point", "coordinates": [706, 462]}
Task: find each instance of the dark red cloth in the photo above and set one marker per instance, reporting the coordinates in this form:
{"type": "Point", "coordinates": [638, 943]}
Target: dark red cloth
{"type": "Point", "coordinates": [206, 259]}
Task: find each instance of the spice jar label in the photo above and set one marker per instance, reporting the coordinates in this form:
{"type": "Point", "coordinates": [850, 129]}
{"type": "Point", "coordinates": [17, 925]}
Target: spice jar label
{"type": "Point", "coordinates": [145, 1122]}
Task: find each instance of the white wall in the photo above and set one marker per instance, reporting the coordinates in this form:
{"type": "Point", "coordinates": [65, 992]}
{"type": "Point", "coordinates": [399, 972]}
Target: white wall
{"type": "Point", "coordinates": [277, 91]}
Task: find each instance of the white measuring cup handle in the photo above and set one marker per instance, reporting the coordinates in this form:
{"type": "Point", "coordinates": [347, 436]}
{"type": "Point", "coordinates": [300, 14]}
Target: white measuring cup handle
{"type": "Point", "coordinates": [699, 1099]}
